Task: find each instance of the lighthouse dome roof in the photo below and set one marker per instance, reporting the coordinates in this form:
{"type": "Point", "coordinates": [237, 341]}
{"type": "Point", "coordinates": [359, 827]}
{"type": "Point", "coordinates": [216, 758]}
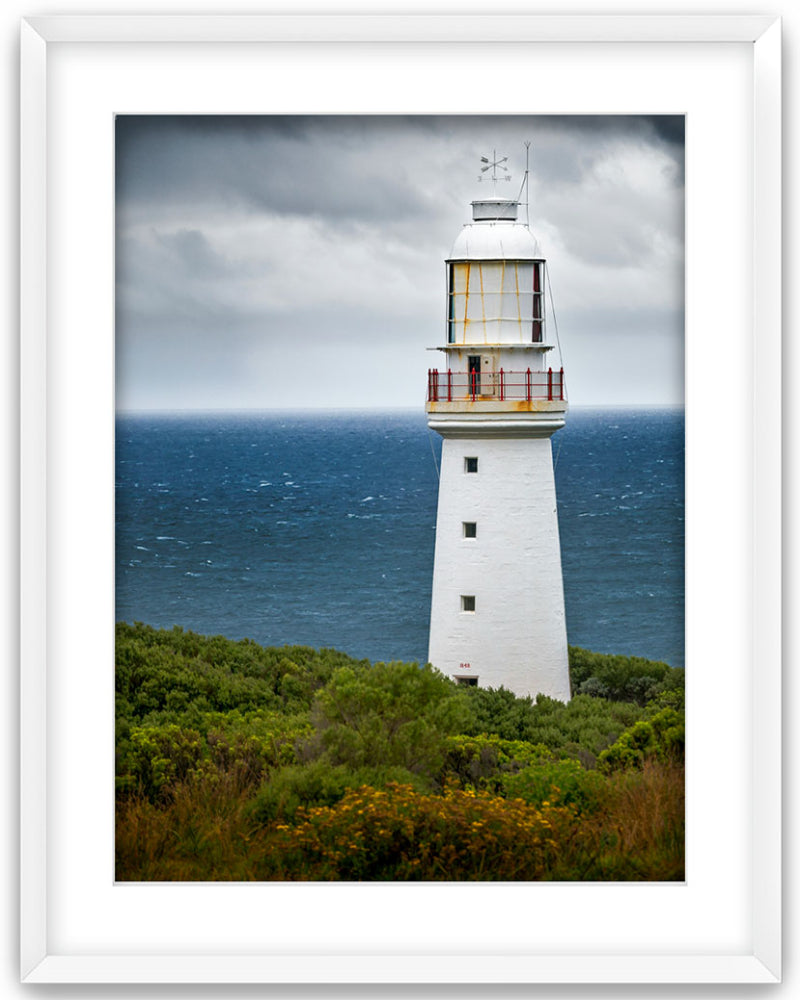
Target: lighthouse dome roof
{"type": "Point", "coordinates": [495, 241]}
{"type": "Point", "coordinates": [495, 234]}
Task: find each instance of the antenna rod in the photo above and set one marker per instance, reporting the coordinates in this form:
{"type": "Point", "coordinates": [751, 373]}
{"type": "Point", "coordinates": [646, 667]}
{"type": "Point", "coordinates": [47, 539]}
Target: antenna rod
{"type": "Point", "coordinates": [527, 200]}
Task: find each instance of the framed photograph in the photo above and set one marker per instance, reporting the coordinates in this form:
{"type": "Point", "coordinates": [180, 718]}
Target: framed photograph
{"type": "Point", "coordinates": [722, 924]}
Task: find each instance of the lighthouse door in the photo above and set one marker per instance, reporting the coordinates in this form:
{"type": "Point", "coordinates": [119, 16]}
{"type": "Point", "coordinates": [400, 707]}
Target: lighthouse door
{"type": "Point", "coordinates": [474, 362]}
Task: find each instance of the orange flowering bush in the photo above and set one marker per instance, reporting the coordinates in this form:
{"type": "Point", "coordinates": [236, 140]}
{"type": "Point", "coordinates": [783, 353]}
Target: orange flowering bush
{"type": "Point", "coordinates": [397, 834]}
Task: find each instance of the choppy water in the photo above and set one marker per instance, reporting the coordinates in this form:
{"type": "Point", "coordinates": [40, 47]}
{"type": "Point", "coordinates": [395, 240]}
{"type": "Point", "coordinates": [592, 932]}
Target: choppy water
{"type": "Point", "coordinates": [318, 529]}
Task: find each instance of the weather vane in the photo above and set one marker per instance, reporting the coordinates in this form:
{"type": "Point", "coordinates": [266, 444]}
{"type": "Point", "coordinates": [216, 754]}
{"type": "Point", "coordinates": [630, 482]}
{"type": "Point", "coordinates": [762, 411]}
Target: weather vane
{"type": "Point", "coordinates": [493, 165]}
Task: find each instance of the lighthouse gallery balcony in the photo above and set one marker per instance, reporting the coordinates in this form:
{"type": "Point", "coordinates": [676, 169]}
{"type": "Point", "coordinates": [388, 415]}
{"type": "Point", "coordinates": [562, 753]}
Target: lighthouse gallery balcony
{"type": "Point", "coordinates": [501, 387]}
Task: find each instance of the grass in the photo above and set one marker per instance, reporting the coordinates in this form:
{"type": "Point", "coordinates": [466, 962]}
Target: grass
{"type": "Point", "coordinates": [205, 831]}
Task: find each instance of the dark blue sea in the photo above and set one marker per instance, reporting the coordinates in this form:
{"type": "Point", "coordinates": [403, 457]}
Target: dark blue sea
{"type": "Point", "coordinates": [318, 529]}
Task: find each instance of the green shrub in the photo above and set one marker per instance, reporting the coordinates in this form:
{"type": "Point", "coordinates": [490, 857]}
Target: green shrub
{"type": "Point", "coordinates": [563, 782]}
{"type": "Point", "coordinates": [499, 712]}
{"type": "Point", "coordinates": [480, 761]}
{"type": "Point", "coordinates": [582, 728]}
{"type": "Point", "coordinates": [390, 714]}
{"type": "Point", "coordinates": [318, 784]}
{"type": "Point", "coordinates": [152, 758]}
{"type": "Point", "coordinates": [156, 757]}
{"type": "Point", "coordinates": [620, 678]}
{"type": "Point", "coordinates": [161, 673]}
{"type": "Point", "coordinates": [661, 737]}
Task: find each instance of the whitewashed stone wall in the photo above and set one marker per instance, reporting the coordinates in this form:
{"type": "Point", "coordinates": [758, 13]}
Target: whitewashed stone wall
{"type": "Point", "coordinates": [516, 636]}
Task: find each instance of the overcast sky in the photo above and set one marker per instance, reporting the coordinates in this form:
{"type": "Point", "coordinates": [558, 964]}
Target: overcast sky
{"type": "Point", "coordinates": [298, 262]}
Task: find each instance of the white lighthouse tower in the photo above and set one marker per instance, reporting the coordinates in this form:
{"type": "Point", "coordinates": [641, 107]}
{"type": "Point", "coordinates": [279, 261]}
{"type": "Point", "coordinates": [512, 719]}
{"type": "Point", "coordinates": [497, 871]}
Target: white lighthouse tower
{"type": "Point", "coordinates": [497, 608]}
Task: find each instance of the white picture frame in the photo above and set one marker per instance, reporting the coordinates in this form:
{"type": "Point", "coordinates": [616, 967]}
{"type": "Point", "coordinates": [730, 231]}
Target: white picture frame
{"type": "Point", "coordinates": [76, 925]}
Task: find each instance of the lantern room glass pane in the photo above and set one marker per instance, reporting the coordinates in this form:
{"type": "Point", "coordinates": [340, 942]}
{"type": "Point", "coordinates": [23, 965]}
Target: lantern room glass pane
{"type": "Point", "coordinates": [491, 277]}
{"type": "Point", "coordinates": [537, 328]}
{"type": "Point", "coordinates": [524, 282]}
{"type": "Point", "coordinates": [471, 306]}
{"type": "Point", "coordinates": [460, 275]}
{"type": "Point", "coordinates": [509, 308]}
{"type": "Point", "coordinates": [524, 303]}
{"type": "Point", "coordinates": [510, 278]}
{"type": "Point", "coordinates": [456, 332]}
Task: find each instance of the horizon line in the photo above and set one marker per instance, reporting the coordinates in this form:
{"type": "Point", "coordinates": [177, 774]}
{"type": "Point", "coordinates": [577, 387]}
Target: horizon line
{"type": "Point", "coordinates": [131, 411]}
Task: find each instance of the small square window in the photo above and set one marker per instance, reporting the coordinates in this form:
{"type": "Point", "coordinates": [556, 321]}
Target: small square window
{"type": "Point", "coordinates": [470, 529]}
{"type": "Point", "coordinates": [467, 602]}
{"type": "Point", "coordinates": [467, 681]}
{"type": "Point", "coordinates": [470, 465]}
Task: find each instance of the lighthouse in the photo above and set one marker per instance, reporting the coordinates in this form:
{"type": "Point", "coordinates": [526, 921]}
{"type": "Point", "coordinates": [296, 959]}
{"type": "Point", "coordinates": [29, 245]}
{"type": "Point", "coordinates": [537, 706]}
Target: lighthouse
{"type": "Point", "coordinates": [497, 604]}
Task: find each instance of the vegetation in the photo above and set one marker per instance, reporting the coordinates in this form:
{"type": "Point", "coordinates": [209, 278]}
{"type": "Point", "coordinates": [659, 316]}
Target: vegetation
{"type": "Point", "coordinates": [238, 762]}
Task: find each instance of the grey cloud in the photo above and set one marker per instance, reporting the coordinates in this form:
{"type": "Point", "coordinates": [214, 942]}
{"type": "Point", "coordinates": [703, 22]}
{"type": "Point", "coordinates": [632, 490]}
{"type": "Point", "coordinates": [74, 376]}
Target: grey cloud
{"type": "Point", "coordinates": [171, 276]}
{"type": "Point", "coordinates": [670, 128]}
{"type": "Point", "coordinates": [193, 254]}
{"type": "Point", "coordinates": [302, 167]}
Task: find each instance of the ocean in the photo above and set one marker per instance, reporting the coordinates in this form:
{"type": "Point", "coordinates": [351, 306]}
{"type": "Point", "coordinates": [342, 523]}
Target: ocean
{"type": "Point", "coordinates": [318, 529]}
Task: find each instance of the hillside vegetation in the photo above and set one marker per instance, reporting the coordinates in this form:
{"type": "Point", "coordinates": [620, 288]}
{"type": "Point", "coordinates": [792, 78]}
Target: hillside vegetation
{"type": "Point", "coordinates": [240, 762]}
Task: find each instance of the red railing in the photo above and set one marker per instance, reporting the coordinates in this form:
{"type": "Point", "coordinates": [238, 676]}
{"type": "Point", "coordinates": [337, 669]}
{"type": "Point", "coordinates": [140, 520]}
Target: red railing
{"type": "Point", "coordinates": [449, 386]}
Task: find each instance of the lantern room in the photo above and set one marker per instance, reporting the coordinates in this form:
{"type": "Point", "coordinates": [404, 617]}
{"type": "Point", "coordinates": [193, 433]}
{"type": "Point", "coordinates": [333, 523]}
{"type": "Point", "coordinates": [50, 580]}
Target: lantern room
{"type": "Point", "coordinates": [495, 279]}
